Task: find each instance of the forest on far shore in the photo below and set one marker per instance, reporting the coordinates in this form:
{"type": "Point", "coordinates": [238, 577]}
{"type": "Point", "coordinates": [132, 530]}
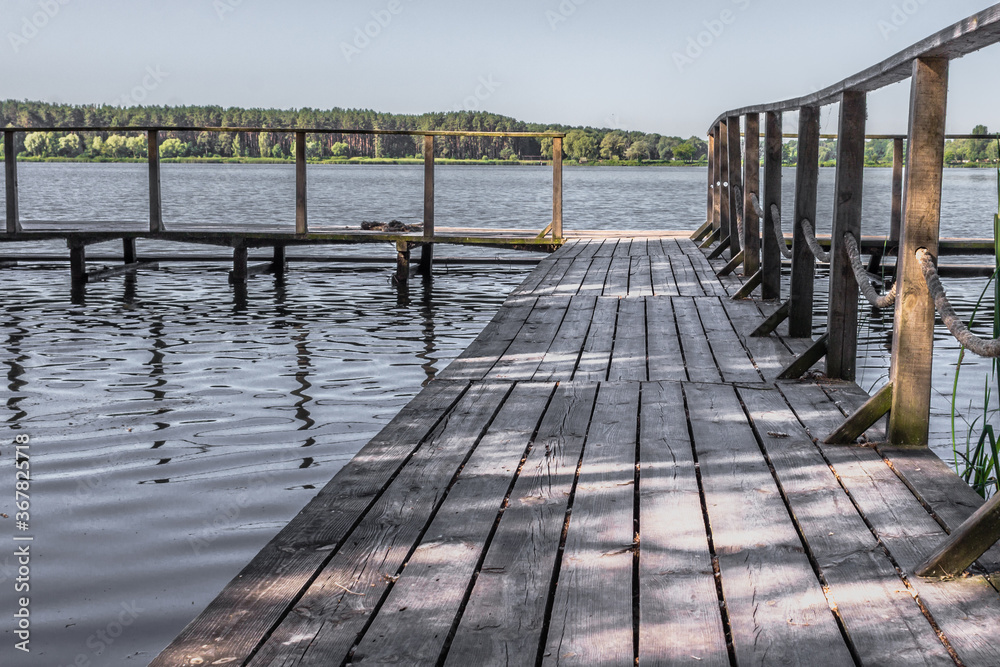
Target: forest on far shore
{"type": "Point", "coordinates": [582, 144]}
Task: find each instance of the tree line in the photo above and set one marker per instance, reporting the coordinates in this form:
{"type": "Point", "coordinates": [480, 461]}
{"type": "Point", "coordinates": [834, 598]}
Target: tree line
{"type": "Point", "coordinates": [583, 144]}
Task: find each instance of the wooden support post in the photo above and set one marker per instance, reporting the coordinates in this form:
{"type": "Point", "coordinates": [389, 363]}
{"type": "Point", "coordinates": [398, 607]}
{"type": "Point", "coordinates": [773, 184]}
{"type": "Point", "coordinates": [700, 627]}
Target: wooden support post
{"type": "Point", "coordinates": [896, 220]}
{"type": "Point", "coordinates": [751, 187]}
{"type": "Point", "coordinates": [301, 219]}
{"type": "Point", "coordinates": [427, 249]}
{"type": "Point", "coordinates": [735, 178]}
{"type": "Point", "coordinates": [803, 262]}
{"type": "Point", "coordinates": [770, 284]}
{"type": "Point", "coordinates": [862, 420]}
{"type": "Point", "coordinates": [710, 212]}
{"type": "Point", "coordinates": [155, 200]}
{"type": "Point", "coordinates": [128, 251]}
{"type": "Point", "coordinates": [731, 266]}
{"type": "Point", "coordinates": [773, 322]}
{"type": "Point", "coordinates": [77, 262]}
{"type": "Point", "coordinates": [913, 329]}
{"type": "Point", "coordinates": [712, 238]}
{"type": "Point", "coordinates": [842, 313]}
{"type": "Point", "coordinates": [279, 263]}
{"type": "Point", "coordinates": [702, 232]}
{"type": "Point", "coordinates": [10, 173]}
{"type": "Point", "coordinates": [402, 276]}
{"type": "Point", "coordinates": [752, 283]}
{"type": "Point", "coordinates": [719, 250]}
{"type": "Point", "coordinates": [967, 543]}
{"type": "Point", "coordinates": [725, 209]}
{"type": "Point", "coordinates": [239, 273]}
{"type": "Point", "coordinates": [557, 188]}
{"type": "Point", "coordinates": [806, 360]}
{"type": "Point", "coordinates": [717, 178]}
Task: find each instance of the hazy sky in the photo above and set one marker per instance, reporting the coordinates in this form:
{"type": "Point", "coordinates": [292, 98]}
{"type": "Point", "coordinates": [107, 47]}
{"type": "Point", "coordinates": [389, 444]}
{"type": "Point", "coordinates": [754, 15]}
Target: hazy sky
{"type": "Point", "coordinates": [668, 67]}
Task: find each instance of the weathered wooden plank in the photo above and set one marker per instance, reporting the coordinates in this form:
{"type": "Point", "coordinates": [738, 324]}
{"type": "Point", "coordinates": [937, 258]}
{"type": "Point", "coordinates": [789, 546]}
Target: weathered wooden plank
{"type": "Point", "coordinates": [913, 326]}
{"type": "Point", "coordinates": [521, 359]}
{"type": "Point", "coordinates": [421, 608]}
{"type": "Point", "coordinates": [967, 610]}
{"type": "Point", "coordinates": [616, 283]}
{"type": "Point", "coordinates": [591, 619]}
{"type": "Point", "coordinates": [662, 276]}
{"type": "Point", "coordinates": [574, 277]}
{"type": "Point", "coordinates": [638, 247]}
{"type": "Point", "coordinates": [709, 280]}
{"type": "Point", "coordinates": [553, 279]}
{"type": "Point", "coordinates": [679, 618]}
{"type": "Point", "coordinates": [155, 198]}
{"type": "Point", "coordinates": [771, 252]}
{"type": "Point", "coordinates": [686, 280]}
{"type": "Point", "coordinates": [301, 181]}
{"type": "Point", "coordinates": [628, 360]}
{"type": "Point", "coordinates": [882, 620]}
{"type": "Point", "coordinates": [536, 276]}
{"type": "Point", "coordinates": [735, 184]}
{"type": "Point", "coordinates": [248, 608]}
{"type": "Point", "coordinates": [751, 180]}
{"type": "Point", "coordinates": [665, 358]}
{"type": "Point", "coordinates": [769, 585]}
{"type": "Point", "coordinates": [698, 359]}
{"type": "Point", "coordinates": [727, 220]}
{"type": "Point", "coordinates": [599, 344]}
{"type": "Point", "coordinates": [733, 361]}
{"type": "Point", "coordinates": [503, 620]}
{"type": "Point", "coordinates": [597, 274]}
{"type": "Point", "coordinates": [477, 359]}
{"type": "Point", "coordinates": [560, 360]}
{"type": "Point", "coordinates": [622, 249]}
{"type": "Point", "coordinates": [328, 619]}
{"type": "Point", "coordinates": [640, 280]}
{"type": "Point", "coordinates": [842, 314]}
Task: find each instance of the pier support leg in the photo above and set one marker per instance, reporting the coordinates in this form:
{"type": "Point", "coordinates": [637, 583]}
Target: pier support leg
{"type": "Point", "coordinates": [239, 274]}
{"type": "Point", "coordinates": [78, 263]}
{"type": "Point", "coordinates": [278, 264]}
{"type": "Point", "coordinates": [913, 328]}
{"type": "Point", "coordinates": [751, 186]}
{"type": "Point", "coordinates": [402, 276]}
{"type": "Point", "coordinates": [803, 263]}
{"type": "Point", "coordinates": [771, 254]}
{"type": "Point", "coordinates": [426, 265]}
{"type": "Point", "coordinates": [726, 221]}
{"type": "Point", "coordinates": [128, 251]}
{"type": "Point", "coordinates": [735, 179]}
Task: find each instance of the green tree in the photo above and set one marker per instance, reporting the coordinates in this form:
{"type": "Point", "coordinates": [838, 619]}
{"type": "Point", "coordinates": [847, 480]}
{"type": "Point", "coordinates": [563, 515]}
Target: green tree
{"type": "Point", "coordinates": [641, 149]}
{"type": "Point", "coordinates": [684, 152]}
{"type": "Point", "coordinates": [70, 145]}
{"type": "Point", "coordinates": [36, 144]}
{"type": "Point", "coordinates": [340, 150]}
{"type": "Point", "coordinates": [665, 147]}
{"type": "Point", "coordinates": [137, 146]}
{"type": "Point", "coordinates": [578, 145]}
{"type": "Point", "coordinates": [173, 147]}
{"type": "Point", "coordinates": [614, 145]}
{"type": "Point", "coordinates": [977, 147]}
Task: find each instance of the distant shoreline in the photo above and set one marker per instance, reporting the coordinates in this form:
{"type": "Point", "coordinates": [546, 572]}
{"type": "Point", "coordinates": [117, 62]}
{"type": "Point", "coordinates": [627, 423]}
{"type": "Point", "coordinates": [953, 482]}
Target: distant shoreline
{"type": "Point", "coordinates": [373, 161]}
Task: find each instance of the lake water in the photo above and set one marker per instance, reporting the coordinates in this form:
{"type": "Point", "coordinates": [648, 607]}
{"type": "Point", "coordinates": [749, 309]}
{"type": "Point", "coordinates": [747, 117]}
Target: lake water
{"type": "Point", "coordinates": [178, 424]}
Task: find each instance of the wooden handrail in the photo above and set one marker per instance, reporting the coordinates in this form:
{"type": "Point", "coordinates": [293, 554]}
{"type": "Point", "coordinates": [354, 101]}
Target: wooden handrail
{"type": "Point", "coordinates": [962, 38]}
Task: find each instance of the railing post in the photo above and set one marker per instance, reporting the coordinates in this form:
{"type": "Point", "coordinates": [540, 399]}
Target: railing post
{"type": "Point", "coordinates": [842, 314]}
{"type": "Point", "coordinates": [427, 249]}
{"type": "Point", "coordinates": [771, 256]}
{"type": "Point", "coordinates": [557, 188]}
{"type": "Point", "coordinates": [735, 176]}
{"type": "Point", "coordinates": [913, 329]}
{"type": "Point", "coordinates": [155, 200]}
{"type": "Point", "coordinates": [751, 186]}
{"type": "Point", "coordinates": [803, 262]}
{"type": "Point", "coordinates": [10, 164]}
{"type": "Point", "coordinates": [710, 213]}
{"type": "Point", "coordinates": [897, 190]}
{"type": "Point", "coordinates": [301, 219]}
{"type": "Point", "coordinates": [717, 179]}
{"type": "Point", "coordinates": [725, 210]}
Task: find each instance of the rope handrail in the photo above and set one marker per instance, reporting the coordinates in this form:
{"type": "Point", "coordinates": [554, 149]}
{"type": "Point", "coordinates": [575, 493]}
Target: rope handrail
{"type": "Point", "coordinates": [756, 205]}
{"type": "Point", "coordinates": [968, 340]}
{"type": "Point", "coordinates": [738, 190]}
{"type": "Point", "coordinates": [786, 252]}
{"type": "Point", "coordinates": [886, 300]}
{"type": "Point", "coordinates": [814, 246]}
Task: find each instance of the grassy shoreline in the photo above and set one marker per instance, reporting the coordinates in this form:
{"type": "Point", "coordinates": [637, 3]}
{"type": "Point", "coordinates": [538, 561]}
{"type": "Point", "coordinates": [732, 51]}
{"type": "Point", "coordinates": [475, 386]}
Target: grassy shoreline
{"type": "Point", "coordinates": [371, 161]}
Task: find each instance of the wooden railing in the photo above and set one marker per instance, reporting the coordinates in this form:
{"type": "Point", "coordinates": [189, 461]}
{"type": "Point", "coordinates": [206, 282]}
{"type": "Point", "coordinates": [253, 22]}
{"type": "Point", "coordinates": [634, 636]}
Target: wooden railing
{"type": "Point", "coordinates": [301, 217]}
{"type": "Point", "coordinates": [915, 224]}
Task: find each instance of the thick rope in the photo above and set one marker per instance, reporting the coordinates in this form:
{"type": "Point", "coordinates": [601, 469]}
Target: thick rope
{"type": "Point", "coordinates": [739, 212]}
{"type": "Point", "coordinates": [756, 205]}
{"type": "Point", "coordinates": [811, 241]}
{"type": "Point", "coordinates": [969, 340]}
{"type": "Point", "coordinates": [864, 281]}
{"type": "Point", "coordinates": [786, 252]}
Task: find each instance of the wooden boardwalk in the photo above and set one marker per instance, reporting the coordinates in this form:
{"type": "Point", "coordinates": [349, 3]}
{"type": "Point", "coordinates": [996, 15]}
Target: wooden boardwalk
{"type": "Point", "coordinates": [609, 474]}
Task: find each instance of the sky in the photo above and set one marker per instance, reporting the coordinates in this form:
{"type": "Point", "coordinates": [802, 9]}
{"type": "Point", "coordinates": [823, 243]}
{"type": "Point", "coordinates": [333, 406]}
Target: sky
{"type": "Point", "coordinates": [666, 67]}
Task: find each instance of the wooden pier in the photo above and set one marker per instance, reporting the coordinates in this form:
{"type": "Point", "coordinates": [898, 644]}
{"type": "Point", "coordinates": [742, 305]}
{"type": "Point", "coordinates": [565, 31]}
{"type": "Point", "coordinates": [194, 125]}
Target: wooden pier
{"type": "Point", "coordinates": [611, 474]}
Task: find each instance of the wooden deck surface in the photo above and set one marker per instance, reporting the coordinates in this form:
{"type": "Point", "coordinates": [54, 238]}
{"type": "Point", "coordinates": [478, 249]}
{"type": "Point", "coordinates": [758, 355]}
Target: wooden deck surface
{"type": "Point", "coordinates": [609, 474]}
